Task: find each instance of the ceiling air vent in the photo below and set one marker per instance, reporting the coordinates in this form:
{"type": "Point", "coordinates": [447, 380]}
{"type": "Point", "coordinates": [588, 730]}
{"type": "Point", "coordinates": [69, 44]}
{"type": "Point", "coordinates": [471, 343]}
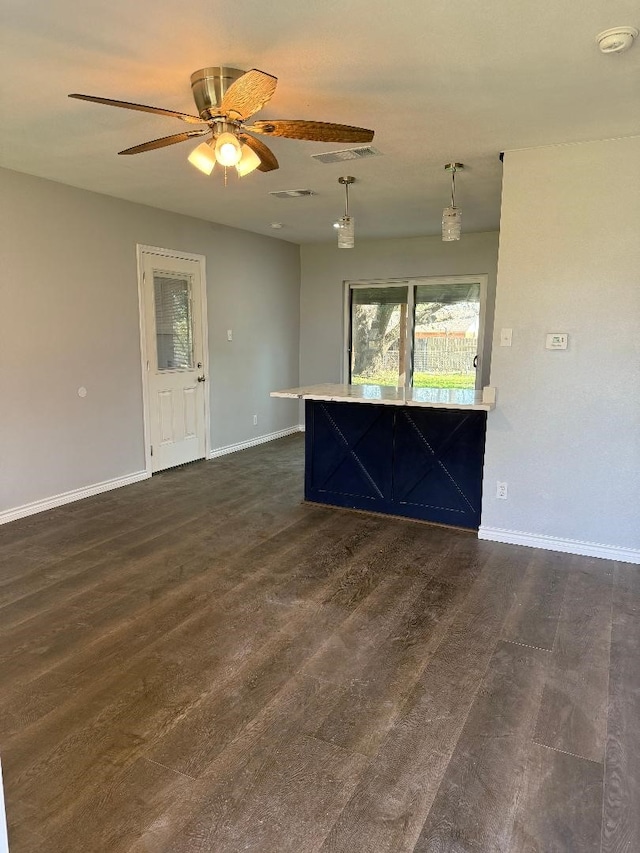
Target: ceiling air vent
{"type": "Point", "coordinates": [347, 154]}
{"type": "Point", "coordinates": [291, 193]}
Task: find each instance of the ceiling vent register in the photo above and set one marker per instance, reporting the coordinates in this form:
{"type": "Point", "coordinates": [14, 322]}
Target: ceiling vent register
{"type": "Point", "coordinates": [347, 154]}
{"type": "Point", "coordinates": [291, 193]}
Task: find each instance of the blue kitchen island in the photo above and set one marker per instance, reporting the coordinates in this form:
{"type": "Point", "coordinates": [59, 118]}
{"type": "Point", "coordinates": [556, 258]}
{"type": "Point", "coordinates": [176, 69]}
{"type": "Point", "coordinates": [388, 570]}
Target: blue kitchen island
{"type": "Point", "coordinates": [412, 452]}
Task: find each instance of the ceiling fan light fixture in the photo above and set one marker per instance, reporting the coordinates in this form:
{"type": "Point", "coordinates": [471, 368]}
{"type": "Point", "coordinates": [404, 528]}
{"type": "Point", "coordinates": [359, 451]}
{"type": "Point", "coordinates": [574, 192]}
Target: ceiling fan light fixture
{"type": "Point", "coordinates": [452, 215]}
{"type": "Point", "coordinates": [228, 149]}
{"type": "Point", "coordinates": [203, 158]}
{"type": "Point", "coordinates": [249, 161]}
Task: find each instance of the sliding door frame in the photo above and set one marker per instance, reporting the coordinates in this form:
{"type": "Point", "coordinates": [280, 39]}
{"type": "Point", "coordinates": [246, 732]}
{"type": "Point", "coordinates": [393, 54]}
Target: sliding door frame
{"type": "Point", "coordinates": [412, 282]}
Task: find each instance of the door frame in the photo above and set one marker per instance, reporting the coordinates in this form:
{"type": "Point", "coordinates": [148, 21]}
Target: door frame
{"type": "Point", "coordinates": [141, 251]}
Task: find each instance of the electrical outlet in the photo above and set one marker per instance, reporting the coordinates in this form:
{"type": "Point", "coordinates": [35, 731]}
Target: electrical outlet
{"type": "Point", "coordinates": [255, 420]}
{"type": "Point", "coordinates": [501, 491]}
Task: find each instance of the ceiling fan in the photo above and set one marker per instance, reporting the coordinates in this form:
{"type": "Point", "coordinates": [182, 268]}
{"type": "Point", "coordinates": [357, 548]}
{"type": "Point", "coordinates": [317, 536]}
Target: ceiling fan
{"type": "Point", "coordinates": [225, 98]}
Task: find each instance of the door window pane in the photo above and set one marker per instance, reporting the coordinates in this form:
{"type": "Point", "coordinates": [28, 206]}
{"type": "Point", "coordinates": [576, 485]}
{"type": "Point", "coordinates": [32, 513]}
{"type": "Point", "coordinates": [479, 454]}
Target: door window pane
{"type": "Point", "coordinates": [445, 338]}
{"type": "Point", "coordinates": [174, 327]}
{"type": "Point", "coordinates": [378, 335]}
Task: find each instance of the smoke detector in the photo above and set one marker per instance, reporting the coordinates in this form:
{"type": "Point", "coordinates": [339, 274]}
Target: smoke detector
{"type": "Point", "coordinates": [617, 39]}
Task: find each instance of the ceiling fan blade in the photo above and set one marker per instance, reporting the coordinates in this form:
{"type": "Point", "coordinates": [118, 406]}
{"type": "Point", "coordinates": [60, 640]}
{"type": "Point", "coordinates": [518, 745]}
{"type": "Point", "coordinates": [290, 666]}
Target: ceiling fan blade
{"type": "Point", "coordinates": [248, 94]}
{"type": "Point", "coordinates": [268, 160]}
{"type": "Point", "coordinates": [319, 131]}
{"type": "Point", "coordinates": [164, 141]}
{"type": "Point", "coordinates": [129, 106]}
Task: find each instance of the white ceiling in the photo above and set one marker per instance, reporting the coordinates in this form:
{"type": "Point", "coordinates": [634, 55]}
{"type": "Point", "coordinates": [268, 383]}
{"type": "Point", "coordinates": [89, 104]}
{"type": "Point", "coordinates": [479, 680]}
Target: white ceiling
{"type": "Point", "coordinates": [436, 81]}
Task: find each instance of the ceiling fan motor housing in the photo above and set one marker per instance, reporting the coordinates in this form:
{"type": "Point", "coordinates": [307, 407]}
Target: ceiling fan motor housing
{"type": "Point", "coordinates": [209, 85]}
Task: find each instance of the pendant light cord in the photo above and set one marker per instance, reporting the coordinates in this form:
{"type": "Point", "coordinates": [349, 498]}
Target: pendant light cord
{"type": "Point", "coordinates": [346, 202]}
{"type": "Point", "coordinates": [453, 188]}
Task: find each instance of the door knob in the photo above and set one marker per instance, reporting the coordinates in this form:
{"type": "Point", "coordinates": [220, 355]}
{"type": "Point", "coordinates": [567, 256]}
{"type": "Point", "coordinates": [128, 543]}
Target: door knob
{"type": "Point", "coordinates": [202, 379]}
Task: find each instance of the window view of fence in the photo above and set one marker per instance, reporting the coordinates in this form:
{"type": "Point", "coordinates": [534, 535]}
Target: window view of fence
{"type": "Point", "coordinates": [443, 334]}
{"type": "Point", "coordinates": [438, 355]}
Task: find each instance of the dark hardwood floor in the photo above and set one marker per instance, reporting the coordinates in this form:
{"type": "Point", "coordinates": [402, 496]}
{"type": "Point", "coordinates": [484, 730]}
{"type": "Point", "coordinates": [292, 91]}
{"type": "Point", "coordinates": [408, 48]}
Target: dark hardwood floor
{"type": "Point", "coordinates": [200, 662]}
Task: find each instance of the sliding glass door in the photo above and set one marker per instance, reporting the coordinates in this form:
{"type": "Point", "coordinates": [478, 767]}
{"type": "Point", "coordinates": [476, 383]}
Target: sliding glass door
{"type": "Point", "coordinates": [419, 332]}
{"type": "Point", "coordinates": [445, 335]}
{"type": "Point", "coordinates": [379, 319]}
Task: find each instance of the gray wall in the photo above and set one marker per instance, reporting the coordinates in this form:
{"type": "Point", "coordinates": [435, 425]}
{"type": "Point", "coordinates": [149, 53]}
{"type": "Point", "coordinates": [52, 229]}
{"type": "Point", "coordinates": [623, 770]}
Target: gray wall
{"type": "Point", "coordinates": [69, 317]}
{"type": "Point", "coordinates": [324, 268]}
{"type": "Point", "coordinates": [566, 431]}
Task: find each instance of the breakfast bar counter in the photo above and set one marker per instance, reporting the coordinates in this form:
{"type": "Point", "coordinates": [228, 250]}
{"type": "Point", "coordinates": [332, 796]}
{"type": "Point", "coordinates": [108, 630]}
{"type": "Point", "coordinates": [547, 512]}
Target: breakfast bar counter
{"type": "Point", "coordinates": [413, 452]}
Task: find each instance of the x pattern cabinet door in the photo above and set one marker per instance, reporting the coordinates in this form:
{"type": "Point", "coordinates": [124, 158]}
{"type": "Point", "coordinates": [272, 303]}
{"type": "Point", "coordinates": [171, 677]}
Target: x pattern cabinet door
{"type": "Point", "coordinates": [419, 463]}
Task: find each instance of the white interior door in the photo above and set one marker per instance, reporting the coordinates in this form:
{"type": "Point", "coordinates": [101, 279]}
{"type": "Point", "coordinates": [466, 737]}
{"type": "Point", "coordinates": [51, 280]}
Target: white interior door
{"type": "Point", "coordinates": [173, 305]}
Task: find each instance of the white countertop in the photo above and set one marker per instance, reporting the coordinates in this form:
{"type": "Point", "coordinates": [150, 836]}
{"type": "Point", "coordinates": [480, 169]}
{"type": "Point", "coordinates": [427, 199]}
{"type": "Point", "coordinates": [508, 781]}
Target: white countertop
{"type": "Point", "coordinates": [382, 395]}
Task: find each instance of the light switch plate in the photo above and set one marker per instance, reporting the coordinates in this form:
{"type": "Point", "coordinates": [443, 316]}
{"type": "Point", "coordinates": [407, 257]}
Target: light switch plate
{"type": "Point", "coordinates": [229, 334]}
{"type": "Point", "coordinates": [557, 340]}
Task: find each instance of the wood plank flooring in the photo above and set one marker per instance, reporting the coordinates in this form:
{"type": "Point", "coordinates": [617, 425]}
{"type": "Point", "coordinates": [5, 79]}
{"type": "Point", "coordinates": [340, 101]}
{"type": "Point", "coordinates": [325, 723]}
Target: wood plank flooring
{"type": "Point", "coordinates": [201, 662]}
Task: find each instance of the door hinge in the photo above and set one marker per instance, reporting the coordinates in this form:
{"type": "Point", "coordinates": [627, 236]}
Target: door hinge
{"type": "Point", "coordinates": [152, 449]}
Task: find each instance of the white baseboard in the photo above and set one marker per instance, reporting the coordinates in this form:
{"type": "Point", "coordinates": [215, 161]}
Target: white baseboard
{"type": "Point", "coordinates": [566, 546]}
{"type": "Point", "coordinates": [253, 442]}
{"type": "Point", "coordinates": [68, 497]}
{"type": "Point", "coordinates": [97, 488]}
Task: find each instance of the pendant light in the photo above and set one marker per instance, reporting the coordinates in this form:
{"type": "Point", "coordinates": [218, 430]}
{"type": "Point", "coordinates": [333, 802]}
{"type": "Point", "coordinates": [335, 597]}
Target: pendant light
{"type": "Point", "coordinates": [452, 216]}
{"type": "Point", "coordinates": [346, 223]}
